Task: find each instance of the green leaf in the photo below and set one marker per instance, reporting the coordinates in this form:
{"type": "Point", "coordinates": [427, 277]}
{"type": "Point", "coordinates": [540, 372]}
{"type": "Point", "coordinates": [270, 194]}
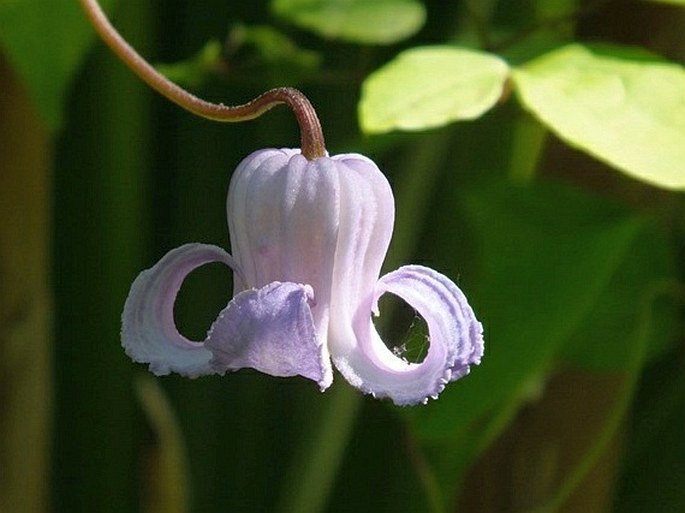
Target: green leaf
{"type": "Point", "coordinates": [45, 41]}
{"type": "Point", "coordinates": [546, 256]}
{"type": "Point", "coordinates": [621, 105]}
{"type": "Point", "coordinates": [358, 21]}
{"type": "Point", "coordinates": [193, 72]}
{"type": "Point", "coordinates": [637, 302]}
{"type": "Point", "coordinates": [262, 49]}
{"type": "Point", "coordinates": [429, 87]}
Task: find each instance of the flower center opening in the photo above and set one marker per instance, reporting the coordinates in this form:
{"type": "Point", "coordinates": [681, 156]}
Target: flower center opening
{"type": "Point", "coordinates": [204, 293]}
{"type": "Point", "coordinates": [402, 329]}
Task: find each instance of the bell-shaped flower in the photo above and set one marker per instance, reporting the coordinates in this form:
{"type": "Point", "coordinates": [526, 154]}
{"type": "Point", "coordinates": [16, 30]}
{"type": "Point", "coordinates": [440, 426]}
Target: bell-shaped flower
{"type": "Point", "coordinates": [308, 241]}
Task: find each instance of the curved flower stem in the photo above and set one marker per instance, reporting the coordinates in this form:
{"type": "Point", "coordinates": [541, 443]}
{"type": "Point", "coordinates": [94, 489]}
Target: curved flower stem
{"type": "Point", "coordinates": [312, 141]}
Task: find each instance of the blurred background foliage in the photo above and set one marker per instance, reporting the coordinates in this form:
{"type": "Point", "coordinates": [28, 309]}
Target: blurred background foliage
{"type": "Point", "coordinates": [537, 154]}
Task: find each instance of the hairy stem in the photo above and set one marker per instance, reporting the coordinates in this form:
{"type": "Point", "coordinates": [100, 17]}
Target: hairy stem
{"type": "Point", "coordinates": [312, 141]}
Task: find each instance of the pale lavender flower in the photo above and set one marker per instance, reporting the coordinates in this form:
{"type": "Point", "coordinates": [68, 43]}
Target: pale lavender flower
{"type": "Point", "coordinates": [308, 240]}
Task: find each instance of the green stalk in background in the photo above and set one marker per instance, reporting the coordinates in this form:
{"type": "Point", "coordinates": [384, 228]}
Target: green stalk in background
{"type": "Point", "coordinates": [101, 179]}
{"type": "Point", "coordinates": [25, 300]}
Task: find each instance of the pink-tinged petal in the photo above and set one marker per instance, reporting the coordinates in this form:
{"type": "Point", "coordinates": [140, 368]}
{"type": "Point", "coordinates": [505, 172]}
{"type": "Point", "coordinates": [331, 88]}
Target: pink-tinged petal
{"type": "Point", "coordinates": [283, 215]}
{"type": "Point", "coordinates": [283, 219]}
{"type": "Point", "coordinates": [456, 340]}
{"type": "Point", "coordinates": [271, 330]}
{"type": "Point", "coordinates": [367, 217]}
{"type": "Point", "coordinates": [148, 332]}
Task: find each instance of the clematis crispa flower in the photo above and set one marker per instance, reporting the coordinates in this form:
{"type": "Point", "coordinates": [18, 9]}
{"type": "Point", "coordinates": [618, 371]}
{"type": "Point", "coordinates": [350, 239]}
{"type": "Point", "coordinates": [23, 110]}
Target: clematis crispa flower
{"type": "Point", "coordinates": [308, 238]}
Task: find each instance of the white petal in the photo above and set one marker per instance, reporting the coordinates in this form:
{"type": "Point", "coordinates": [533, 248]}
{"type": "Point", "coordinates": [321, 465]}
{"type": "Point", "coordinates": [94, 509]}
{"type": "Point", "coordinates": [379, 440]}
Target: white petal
{"type": "Point", "coordinates": [456, 340]}
{"type": "Point", "coordinates": [148, 332]}
{"type": "Point", "coordinates": [283, 214]}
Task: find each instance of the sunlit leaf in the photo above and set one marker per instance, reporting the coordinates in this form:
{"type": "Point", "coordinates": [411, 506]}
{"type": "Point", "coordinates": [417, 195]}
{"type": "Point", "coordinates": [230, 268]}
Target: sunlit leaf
{"type": "Point", "coordinates": [429, 87]}
{"type": "Point", "coordinates": [360, 21]}
{"type": "Point", "coordinates": [621, 105]}
{"type": "Point", "coordinates": [45, 42]}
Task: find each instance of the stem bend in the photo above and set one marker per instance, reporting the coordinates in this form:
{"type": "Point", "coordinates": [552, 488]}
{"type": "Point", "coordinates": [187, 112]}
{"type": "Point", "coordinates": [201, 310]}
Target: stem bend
{"type": "Point", "coordinates": [311, 135]}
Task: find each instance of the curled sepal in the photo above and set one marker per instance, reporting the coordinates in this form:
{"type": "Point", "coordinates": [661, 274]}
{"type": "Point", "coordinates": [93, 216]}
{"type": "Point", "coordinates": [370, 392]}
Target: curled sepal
{"type": "Point", "coordinates": [270, 329]}
{"type": "Point", "coordinates": [455, 336]}
{"type": "Point", "coordinates": [148, 332]}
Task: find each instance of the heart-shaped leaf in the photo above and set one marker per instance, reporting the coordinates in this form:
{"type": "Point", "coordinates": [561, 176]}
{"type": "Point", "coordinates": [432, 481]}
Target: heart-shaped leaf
{"type": "Point", "coordinates": [429, 87]}
{"type": "Point", "coordinates": [621, 105]}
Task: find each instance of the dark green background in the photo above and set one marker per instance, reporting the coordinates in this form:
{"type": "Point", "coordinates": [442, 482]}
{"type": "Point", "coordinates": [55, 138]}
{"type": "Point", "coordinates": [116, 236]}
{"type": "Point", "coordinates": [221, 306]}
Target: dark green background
{"type": "Point", "coordinates": [576, 275]}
